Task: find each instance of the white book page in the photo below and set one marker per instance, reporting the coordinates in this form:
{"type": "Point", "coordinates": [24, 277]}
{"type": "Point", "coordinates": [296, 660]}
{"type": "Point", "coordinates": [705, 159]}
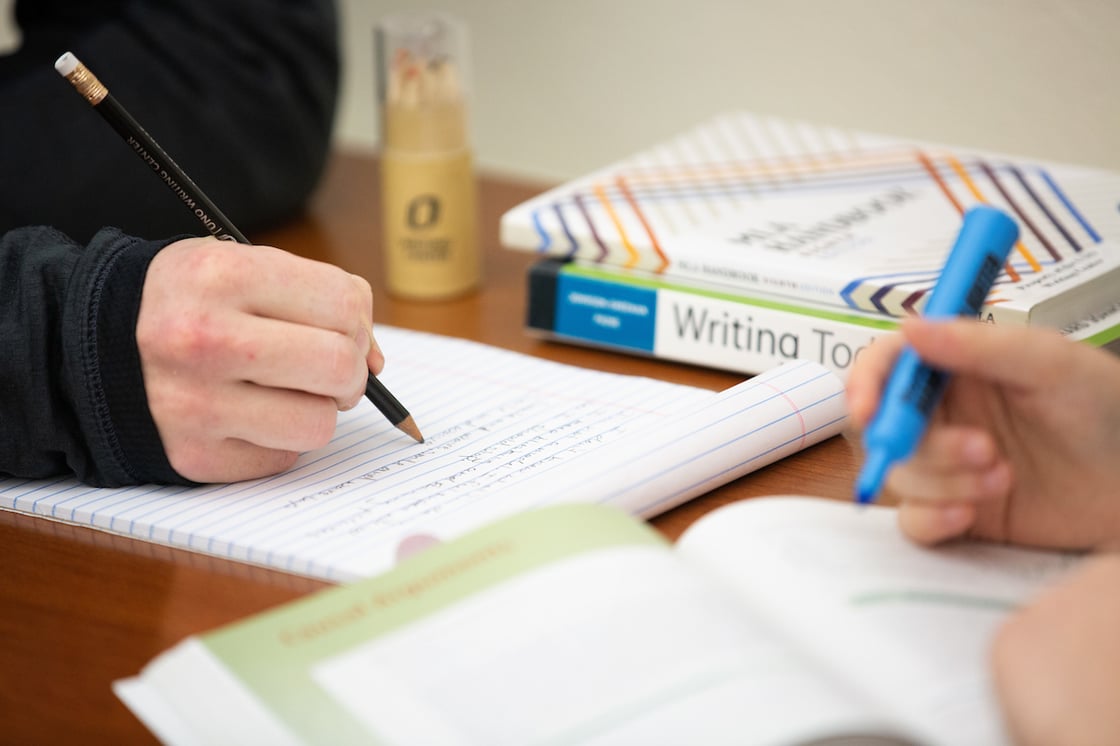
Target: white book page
{"type": "Point", "coordinates": [907, 627]}
{"type": "Point", "coordinates": [619, 646]}
{"type": "Point", "coordinates": [503, 430]}
{"type": "Point", "coordinates": [188, 698]}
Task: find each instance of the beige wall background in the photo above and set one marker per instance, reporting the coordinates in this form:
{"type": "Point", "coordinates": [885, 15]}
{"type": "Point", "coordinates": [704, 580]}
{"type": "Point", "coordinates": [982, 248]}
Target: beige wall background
{"type": "Point", "coordinates": [564, 87]}
{"type": "Point", "coordinates": [567, 86]}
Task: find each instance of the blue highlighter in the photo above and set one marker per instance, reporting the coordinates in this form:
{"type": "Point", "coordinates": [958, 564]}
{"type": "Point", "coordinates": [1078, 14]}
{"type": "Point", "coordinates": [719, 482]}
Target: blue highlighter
{"type": "Point", "coordinates": [914, 388]}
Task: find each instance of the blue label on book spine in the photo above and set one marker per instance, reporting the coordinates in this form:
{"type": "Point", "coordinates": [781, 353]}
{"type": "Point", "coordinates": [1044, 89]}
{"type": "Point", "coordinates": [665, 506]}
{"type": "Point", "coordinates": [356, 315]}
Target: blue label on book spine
{"type": "Point", "coordinates": [608, 313]}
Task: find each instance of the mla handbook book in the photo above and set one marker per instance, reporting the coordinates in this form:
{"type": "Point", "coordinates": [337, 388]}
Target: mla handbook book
{"type": "Point", "coordinates": [783, 620]}
{"type": "Point", "coordinates": [716, 326]}
{"type": "Point", "coordinates": [844, 219]}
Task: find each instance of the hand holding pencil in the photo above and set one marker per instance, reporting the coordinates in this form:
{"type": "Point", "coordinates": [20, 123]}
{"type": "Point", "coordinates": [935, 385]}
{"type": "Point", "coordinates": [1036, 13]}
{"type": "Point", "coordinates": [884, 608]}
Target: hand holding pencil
{"type": "Point", "coordinates": [247, 351]}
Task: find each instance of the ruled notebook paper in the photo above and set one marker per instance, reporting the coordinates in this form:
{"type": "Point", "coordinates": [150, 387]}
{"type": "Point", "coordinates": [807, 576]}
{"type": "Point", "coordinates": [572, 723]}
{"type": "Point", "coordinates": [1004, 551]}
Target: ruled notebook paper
{"type": "Point", "coordinates": [504, 432]}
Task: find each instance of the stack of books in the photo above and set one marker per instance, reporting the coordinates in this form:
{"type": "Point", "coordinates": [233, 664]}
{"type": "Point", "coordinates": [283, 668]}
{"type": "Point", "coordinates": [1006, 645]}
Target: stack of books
{"type": "Point", "coordinates": [751, 240]}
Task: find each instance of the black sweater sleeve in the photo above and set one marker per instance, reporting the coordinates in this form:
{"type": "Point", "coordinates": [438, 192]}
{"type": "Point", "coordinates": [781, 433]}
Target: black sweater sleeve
{"type": "Point", "coordinates": [71, 388]}
{"type": "Point", "coordinates": [241, 93]}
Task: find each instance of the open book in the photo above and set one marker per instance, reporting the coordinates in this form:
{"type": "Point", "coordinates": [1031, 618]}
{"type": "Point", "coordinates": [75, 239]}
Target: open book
{"type": "Point", "coordinates": [505, 432]}
{"type": "Point", "coordinates": [773, 621]}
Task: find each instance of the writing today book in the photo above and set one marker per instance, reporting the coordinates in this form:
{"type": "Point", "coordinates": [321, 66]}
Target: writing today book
{"type": "Point", "coordinates": [846, 219]}
{"type": "Point", "coordinates": [646, 314]}
{"type": "Point", "coordinates": [772, 621]}
{"type": "Point", "coordinates": [666, 317]}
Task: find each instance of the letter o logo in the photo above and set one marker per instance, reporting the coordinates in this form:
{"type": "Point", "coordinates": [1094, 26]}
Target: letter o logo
{"type": "Point", "coordinates": [423, 211]}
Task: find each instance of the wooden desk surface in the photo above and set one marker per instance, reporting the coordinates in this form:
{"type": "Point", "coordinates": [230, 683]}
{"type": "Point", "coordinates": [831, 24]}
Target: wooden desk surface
{"type": "Point", "coordinates": [80, 608]}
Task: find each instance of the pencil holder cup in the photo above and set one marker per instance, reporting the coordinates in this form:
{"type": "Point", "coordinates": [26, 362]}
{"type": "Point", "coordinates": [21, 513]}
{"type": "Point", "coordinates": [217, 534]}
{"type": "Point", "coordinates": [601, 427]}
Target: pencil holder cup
{"type": "Point", "coordinates": [429, 199]}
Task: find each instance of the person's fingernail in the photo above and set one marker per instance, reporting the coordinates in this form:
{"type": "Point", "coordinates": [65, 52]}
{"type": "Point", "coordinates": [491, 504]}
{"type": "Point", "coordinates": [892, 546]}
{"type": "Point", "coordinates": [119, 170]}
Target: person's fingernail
{"type": "Point", "coordinates": [956, 517]}
{"type": "Point", "coordinates": [995, 481]}
{"type": "Point", "coordinates": [975, 450]}
{"type": "Point", "coordinates": [373, 342]}
{"type": "Point", "coordinates": [377, 364]}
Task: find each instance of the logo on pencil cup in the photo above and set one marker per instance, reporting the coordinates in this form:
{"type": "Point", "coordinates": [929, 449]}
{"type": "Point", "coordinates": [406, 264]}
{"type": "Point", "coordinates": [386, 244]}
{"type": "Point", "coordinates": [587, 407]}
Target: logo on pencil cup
{"type": "Point", "coordinates": [423, 211]}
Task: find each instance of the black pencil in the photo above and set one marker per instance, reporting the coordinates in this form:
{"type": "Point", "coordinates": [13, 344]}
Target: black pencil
{"type": "Point", "coordinates": [193, 198]}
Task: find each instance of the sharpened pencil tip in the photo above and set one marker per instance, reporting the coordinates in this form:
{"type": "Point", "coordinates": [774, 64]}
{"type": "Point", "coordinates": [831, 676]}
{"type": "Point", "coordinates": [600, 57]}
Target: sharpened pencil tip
{"type": "Point", "coordinates": [408, 426]}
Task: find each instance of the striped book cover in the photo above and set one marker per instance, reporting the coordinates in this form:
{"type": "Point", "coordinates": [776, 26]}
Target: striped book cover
{"type": "Point", "coordinates": [850, 219]}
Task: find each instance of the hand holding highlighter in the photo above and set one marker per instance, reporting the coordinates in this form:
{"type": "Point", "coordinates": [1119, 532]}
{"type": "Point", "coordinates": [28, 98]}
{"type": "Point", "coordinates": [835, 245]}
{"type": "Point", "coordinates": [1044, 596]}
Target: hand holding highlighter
{"type": "Point", "coordinates": [914, 389]}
